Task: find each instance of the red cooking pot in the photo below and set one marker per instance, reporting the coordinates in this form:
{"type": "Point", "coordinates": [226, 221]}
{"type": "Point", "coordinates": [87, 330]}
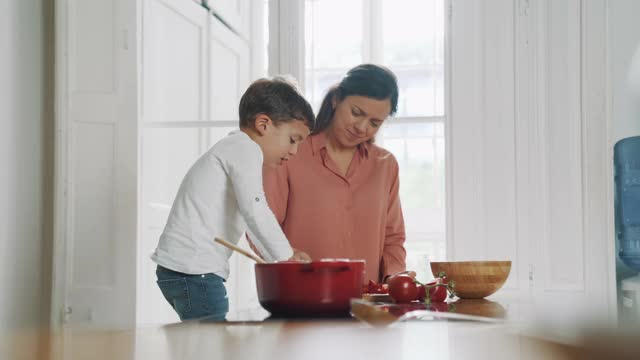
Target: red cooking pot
{"type": "Point", "coordinates": [316, 289]}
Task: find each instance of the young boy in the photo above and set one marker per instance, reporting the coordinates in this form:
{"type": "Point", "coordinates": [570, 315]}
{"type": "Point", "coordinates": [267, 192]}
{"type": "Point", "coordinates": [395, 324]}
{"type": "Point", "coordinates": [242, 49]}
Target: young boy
{"type": "Point", "coordinates": [222, 196]}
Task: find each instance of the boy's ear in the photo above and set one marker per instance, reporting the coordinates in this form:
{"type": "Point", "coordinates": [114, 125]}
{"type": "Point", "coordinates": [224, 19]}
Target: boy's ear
{"type": "Point", "coordinates": [262, 123]}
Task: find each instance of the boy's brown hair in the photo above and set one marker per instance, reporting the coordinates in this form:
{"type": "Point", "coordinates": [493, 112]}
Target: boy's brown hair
{"type": "Point", "coordinates": [277, 98]}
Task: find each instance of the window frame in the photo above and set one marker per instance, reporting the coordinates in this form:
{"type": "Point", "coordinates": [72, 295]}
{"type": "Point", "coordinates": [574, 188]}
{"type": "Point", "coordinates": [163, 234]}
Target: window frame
{"type": "Point", "coordinates": [286, 20]}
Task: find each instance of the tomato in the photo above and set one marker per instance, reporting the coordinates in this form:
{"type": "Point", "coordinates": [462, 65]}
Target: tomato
{"type": "Point", "coordinates": [438, 293]}
{"type": "Point", "coordinates": [403, 288]}
{"type": "Point", "coordinates": [374, 288]}
{"type": "Point", "coordinates": [422, 293]}
{"type": "Point", "coordinates": [371, 287]}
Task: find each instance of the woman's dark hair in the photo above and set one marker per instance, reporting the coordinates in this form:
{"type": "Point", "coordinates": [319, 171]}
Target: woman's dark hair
{"type": "Point", "coordinates": [369, 80]}
{"type": "Point", "coordinates": [279, 99]}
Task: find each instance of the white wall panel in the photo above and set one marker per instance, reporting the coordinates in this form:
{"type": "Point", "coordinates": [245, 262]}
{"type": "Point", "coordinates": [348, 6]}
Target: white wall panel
{"type": "Point", "coordinates": [466, 235]}
{"type": "Point", "coordinates": [529, 149]}
{"type": "Point", "coordinates": [92, 60]}
{"type": "Point", "coordinates": [95, 68]}
{"type": "Point", "coordinates": [623, 61]}
{"type": "Point", "coordinates": [96, 164]}
{"type": "Point", "coordinates": [499, 122]}
{"type": "Point", "coordinates": [94, 260]}
{"type": "Point", "coordinates": [598, 140]}
{"type": "Point", "coordinates": [482, 132]}
{"type": "Point", "coordinates": [564, 238]}
{"type": "Point", "coordinates": [26, 165]}
{"type": "Point", "coordinates": [624, 64]}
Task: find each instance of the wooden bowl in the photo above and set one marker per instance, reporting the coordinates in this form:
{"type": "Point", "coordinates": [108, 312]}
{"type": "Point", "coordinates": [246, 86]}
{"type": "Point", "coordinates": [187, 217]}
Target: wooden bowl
{"type": "Point", "coordinates": [474, 279]}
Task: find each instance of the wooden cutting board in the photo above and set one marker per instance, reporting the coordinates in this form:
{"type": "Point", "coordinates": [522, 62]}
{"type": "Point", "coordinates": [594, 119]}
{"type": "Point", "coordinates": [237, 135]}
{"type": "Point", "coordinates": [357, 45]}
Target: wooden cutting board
{"type": "Point", "coordinates": [377, 298]}
{"type": "Point", "coordinates": [375, 315]}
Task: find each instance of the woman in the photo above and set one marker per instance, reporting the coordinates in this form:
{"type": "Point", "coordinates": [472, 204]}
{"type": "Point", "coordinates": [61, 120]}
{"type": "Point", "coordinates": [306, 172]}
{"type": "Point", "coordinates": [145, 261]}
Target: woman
{"type": "Point", "coordinates": [338, 198]}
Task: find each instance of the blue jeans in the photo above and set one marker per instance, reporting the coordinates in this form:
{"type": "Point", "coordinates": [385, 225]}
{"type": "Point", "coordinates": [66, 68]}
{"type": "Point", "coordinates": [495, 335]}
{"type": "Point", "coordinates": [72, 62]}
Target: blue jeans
{"type": "Point", "coordinates": [194, 296]}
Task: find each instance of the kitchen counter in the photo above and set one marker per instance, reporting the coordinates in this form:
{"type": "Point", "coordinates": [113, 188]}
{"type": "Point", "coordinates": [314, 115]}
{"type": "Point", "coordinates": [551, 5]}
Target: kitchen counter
{"type": "Point", "coordinates": [337, 339]}
{"type": "Point", "coordinates": [313, 339]}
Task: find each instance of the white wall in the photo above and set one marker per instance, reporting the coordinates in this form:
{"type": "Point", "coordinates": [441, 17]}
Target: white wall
{"type": "Point", "coordinates": [624, 53]}
{"type": "Point", "coordinates": [624, 42]}
{"type": "Point", "coordinates": [26, 161]}
{"type": "Point", "coordinates": [527, 146]}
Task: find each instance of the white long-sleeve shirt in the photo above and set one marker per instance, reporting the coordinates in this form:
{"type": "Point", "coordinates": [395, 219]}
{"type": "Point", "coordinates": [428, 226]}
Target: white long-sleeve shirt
{"type": "Point", "coordinates": [221, 196]}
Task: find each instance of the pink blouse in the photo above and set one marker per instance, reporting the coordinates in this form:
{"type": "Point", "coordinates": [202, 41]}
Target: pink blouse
{"type": "Point", "coordinates": [327, 215]}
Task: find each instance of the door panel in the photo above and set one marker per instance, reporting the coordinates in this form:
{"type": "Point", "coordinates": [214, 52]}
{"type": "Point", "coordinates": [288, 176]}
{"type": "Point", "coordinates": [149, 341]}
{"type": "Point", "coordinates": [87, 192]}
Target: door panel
{"type": "Point", "coordinates": [167, 155]}
{"type": "Point", "coordinates": [234, 12]}
{"type": "Point", "coordinates": [173, 63]}
{"type": "Point", "coordinates": [228, 72]}
{"type": "Point", "coordinates": [228, 79]}
{"type": "Point", "coordinates": [96, 203]}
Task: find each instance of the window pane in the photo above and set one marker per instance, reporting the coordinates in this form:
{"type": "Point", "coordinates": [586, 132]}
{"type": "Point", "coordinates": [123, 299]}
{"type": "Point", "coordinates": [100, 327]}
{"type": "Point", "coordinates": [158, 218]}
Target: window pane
{"type": "Point", "coordinates": [419, 149]}
{"type": "Point", "coordinates": [413, 47]}
{"type": "Point", "coordinates": [421, 90]}
{"type": "Point", "coordinates": [333, 33]}
{"type": "Point", "coordinates": [318, 82]}
{"type": "Point", "coordinates": [413, 22]}
{"type": "Point", "coordinates": [333, 43]}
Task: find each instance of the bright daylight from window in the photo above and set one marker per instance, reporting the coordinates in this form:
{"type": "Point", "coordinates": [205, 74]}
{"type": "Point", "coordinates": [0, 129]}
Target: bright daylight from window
{"type": "Point", "coordinates": [408, 37]}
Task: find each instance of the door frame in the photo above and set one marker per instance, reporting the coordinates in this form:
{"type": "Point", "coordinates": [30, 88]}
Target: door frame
{"type": "Point", "coordinates": [60, 225]}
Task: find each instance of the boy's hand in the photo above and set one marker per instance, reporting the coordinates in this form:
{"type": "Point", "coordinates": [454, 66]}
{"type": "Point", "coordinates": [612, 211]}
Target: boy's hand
{"type": "Point", "coordinates": [300, 256]}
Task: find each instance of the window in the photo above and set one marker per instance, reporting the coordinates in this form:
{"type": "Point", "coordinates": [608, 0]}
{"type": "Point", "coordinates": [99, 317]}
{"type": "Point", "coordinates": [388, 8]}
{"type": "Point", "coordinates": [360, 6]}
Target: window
{"type": "Point", "coordinates": [408, 37]}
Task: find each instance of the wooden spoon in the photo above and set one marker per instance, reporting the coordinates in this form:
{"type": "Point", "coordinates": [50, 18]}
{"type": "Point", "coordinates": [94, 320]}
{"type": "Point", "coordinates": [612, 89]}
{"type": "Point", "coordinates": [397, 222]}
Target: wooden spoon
{"type": "Point", "coordinates": [251, 256]}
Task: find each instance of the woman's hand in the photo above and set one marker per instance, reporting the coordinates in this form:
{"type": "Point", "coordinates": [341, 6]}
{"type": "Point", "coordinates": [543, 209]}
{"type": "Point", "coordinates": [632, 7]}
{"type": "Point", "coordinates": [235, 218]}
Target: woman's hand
{"type": "Point", "coordinates": [300, 256]}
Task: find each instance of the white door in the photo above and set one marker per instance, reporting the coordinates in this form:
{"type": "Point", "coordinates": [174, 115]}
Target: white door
{"type": "Point", "coordinates": [234, 12]}
{"type": "Point", "coordinates": [173, 62]}
{"type": "Point", "coordinates": [95, 252]}
{"type": "Point", "coordinates": [228, 66]}
{"type": "Point", "coordinates": [228, 79]}
{"type": "Point", "coordinates": [174, 102]}
{"type": "Point", "coordinates": [195, 71]}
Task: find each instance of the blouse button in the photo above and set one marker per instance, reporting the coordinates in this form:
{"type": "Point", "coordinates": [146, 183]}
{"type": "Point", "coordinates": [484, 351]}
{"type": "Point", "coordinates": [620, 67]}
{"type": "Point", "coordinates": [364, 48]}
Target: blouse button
{"type": "Point", "coordinates": [257, 199]}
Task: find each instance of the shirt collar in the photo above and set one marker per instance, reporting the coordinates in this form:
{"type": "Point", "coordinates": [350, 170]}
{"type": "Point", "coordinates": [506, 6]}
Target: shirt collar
{"type": "Point", "coordinates": [319, 142]}
{"type": "Point", "coordinates": [364, 149]}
